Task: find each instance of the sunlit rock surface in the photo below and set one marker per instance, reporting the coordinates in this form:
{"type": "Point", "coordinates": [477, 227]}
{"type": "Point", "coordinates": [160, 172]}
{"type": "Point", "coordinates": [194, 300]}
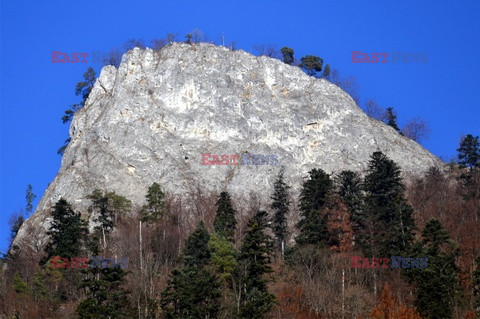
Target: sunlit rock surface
{"type": "Point", "coordinates": [152, 118]}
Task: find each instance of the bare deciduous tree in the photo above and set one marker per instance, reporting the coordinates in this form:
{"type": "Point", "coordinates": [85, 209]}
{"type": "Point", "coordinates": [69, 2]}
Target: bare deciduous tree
{"type": "Point", "coordinates": [158, 44]}
{"type": "Point", "coordinates": [374, 110]}
{"type": "Point", "coordinates": [114, 57]}
{"type": "Point", "coordinates": [269, 50]}
{"type": "Point", "coordinates": [233, 45]}
{"type": "Point", "coordinates": [416, 129]}
{"type": "Point", "coordinates": [134, 43]}
{"type": "Point", "coordinates": [199, 36]}
{"type": "Point", "coordinates": [349, 84]}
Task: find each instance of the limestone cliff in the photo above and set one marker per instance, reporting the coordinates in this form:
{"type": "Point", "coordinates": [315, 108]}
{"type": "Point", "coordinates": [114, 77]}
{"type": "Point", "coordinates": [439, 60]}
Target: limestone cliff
{"type": "Point", "coordinates": [152, 118]}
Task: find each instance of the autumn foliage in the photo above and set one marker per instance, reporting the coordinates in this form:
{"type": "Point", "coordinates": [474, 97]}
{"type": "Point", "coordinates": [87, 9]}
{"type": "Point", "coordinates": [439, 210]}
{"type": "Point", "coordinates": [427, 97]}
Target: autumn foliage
{"type": "Point", "coordinates": [388, 308]}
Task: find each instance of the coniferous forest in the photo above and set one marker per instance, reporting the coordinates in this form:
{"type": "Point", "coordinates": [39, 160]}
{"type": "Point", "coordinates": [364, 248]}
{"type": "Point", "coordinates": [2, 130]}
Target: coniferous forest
{"type": "Point", "coordinates": [292, 260]}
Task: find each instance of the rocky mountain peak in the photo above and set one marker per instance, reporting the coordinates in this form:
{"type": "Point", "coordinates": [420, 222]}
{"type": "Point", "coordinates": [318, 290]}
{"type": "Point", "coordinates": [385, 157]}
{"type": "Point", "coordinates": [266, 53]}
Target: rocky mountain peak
{"type": "Point", "coordinates": [151, 119]}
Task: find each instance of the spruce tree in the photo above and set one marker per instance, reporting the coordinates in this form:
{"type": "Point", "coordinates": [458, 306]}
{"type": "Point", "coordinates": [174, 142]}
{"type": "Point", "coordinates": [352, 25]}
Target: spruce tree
{"type": "Point", "coordinates": [386, 208]}
{"type": "Point", "coordinates": [106, 295]}
{"type": "Point", "coordinates": [253, 264]}
{"type": "Point", "coordinates": [469, 152]}
{"type": "Point", "coordinates": [67, 232]}
{"type": "Point", "coordinates": [469, 157]}
{"type": "Point", "coordinates": [280, 207]}
{"type": "Point", "coordinates": [196, 252]}
{"type": "Point", "coordinates": [225, 221]}
{"type": "Point", "coordinates": [193, 291]}
{"type": "Point", "coordinates": [392, 119]}
{"type": "Point", "coordinates": [155, 207]}
{"type": "Point", "coordinates": [313, 197]}
{"type": "Point", "coordinates": [437, 284]}
{"type": "Point", "coordinates": [349, 188]}
{"type": "Point", "coordinates": [29, 197]}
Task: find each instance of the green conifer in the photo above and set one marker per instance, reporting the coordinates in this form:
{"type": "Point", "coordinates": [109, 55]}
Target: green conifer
{"type": "Point", "coordinates": [67, 232]}
{"type": "Point", "coordinates": [311, 64]}
{"type": "Point", "coordinates": [155, 207]}
{"type": "Point", "coordinates": [469, 152]}
{"type": "Point", "coordinates": [225, 221]}
{"type": "Point", "coordinates": [253, 264]}
{"type": "Point", "coordinates": [313, 197]}
{"type": "Point", "coordinates": [386, 209]}
{"type": "Point", "coordinates": [287, 55]}
{"type": "Point", "coordinates": [193, 291]}
{"type": "Point", "coordinates": [280, 206]}
{"type": "Point", "coordinates": [392, 119]}
{"type": "Point", "coordinates": [437, 284]}
{"type": "Point", "coordinates": [106, 295]}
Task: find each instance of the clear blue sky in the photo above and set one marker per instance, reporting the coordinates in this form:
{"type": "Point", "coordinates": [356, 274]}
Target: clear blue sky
{"type": "Point", "coordinates": [445, 91]}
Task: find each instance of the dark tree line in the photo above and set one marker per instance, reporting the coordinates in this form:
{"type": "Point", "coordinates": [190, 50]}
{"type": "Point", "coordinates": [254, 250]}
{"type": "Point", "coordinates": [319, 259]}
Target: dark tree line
{"type": "Point", "coordinates": [221, 276]}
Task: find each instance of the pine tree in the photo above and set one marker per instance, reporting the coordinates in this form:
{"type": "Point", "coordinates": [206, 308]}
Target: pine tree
{"type": "Point", "coordinates": [225, 221]}
{"type": "Point", "coordinates": [106, 295]}
{"type": "Point", "coordinates": [83, 88]}
{"type": "Point", "coordinates": [280, 206]}
{"type": "Point", "coordinates": [392, 119]}
{"type": "Point", "coordinates": [67, 232]}
{"type": "Point", "coordinates": [253, 264]}
{"type": "Point", "coordinates": [437, 284]}
{"type": "Point", "coordinates": [19, 285]}
{"type": "Point", "coordinates": [108, 206]}
{"type": "Point", "coordinates": [223, 256]}
{"type": "Point", "coordinates": [313, 197]}
{"type": "Point", "coordinates": [155, 207]}
{"type": "Point", "coordinates": [39, 292]}
{"type": "Point", "coordinates": [469, 152]}
{"type": "Point", "coordinates": [16, 221]}
{"type": "Point", "coordinates": [386, 209]}
{"type": "Point", "coordinates": [287, 55]}
{"type": "Point", "coordinates": [311, 64]}
{"type": "Point", "coordinates": [194, 290]}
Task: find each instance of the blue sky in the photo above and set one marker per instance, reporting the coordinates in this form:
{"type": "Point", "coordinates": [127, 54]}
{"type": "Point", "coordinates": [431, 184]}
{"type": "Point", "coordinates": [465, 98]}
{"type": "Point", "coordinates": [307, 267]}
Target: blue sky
{"type": "Point", "coordinates": [34, 93]}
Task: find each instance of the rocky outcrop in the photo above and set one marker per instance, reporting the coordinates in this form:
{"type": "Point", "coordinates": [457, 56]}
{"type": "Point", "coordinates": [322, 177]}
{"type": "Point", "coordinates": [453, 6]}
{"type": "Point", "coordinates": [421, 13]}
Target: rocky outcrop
{"type": "Point", "coordinates": [153, 117]}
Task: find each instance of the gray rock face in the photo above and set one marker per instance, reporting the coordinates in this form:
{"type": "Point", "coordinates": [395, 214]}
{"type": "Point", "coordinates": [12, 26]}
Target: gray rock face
{"type": "Point", "coordinates": [153, 117]}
